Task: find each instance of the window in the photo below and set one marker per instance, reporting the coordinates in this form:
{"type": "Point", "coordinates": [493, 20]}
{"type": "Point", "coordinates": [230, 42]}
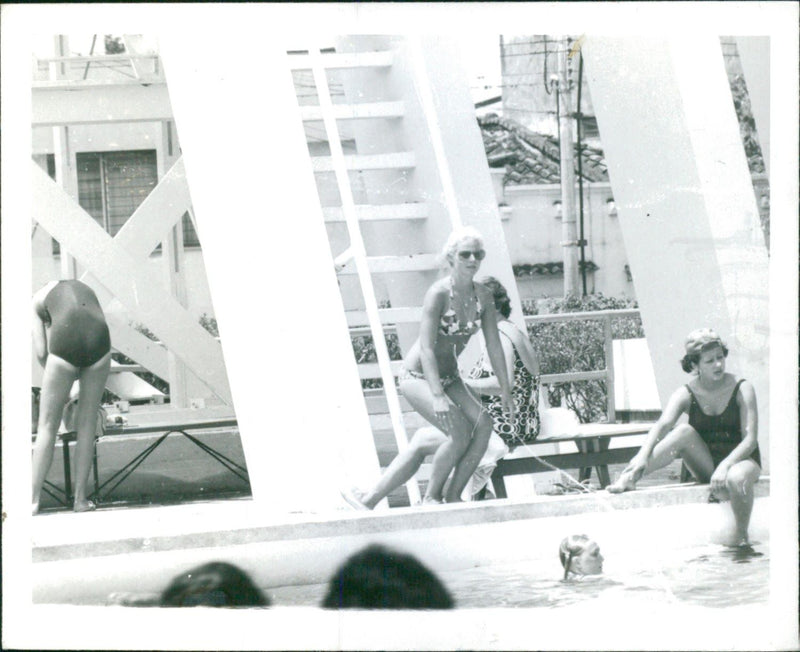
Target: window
{"type": "Point", "coordinates": [112, 185]}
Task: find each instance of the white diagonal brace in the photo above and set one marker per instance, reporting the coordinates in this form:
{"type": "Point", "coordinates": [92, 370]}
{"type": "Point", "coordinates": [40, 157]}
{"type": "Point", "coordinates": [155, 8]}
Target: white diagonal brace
{"type": "Point", "coordinates": [135, 285]}
{"type": "Point", "coordinates": [158, 213]}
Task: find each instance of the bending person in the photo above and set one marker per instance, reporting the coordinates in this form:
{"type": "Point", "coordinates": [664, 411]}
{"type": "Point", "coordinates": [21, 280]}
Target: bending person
{"type": "Point", "coordinates": [72, 342]}
{"type": "Point", "coordinates": [522, 365]}
{"type": "Point", "coordinates": [719, 444]}
{"type": "Point", "coordinates": [454, 309]}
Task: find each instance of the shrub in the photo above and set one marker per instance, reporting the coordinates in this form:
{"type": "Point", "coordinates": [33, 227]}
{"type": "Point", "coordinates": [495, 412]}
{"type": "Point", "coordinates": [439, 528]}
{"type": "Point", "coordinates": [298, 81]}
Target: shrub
{"type": "Point", "coordinates": [210, 324]}
{"type": "Point", "coordinates": [364, 351]}
{"type": "Point", "coordinates": [565, 347]}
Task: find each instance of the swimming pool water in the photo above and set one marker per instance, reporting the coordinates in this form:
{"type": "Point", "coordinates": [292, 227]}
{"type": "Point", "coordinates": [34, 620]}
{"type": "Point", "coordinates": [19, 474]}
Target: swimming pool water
{"type": "Point", "coordinates": [705, 575]}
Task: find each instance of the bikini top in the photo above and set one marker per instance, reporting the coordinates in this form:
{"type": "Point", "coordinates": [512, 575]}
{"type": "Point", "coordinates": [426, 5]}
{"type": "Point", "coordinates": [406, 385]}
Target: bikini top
{"type": "Point", "coordinates": [450, 325]}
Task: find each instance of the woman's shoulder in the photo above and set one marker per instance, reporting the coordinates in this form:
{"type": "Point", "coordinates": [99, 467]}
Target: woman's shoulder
{"type": "Point", "coordinates": [685, 392]}
{"type": "Point", "coordinates": [439, 289]}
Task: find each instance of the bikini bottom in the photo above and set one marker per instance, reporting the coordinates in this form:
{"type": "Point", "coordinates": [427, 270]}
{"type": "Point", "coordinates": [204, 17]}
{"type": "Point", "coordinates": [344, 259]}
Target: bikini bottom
{"type": "Point", "coordinates": [445, 379]}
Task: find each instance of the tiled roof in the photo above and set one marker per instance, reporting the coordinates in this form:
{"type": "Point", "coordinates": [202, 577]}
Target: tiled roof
{"type": "Point", "coordinates": [532, 158]}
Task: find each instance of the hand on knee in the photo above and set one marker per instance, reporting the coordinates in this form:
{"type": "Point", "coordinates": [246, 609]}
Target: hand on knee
{"type": "Point", "coordinates": [739, 482]}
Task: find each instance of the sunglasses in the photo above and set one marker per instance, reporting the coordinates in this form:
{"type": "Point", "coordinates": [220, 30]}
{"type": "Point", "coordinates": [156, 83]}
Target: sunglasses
{"type": "Point", "coordinates": [477, 255]}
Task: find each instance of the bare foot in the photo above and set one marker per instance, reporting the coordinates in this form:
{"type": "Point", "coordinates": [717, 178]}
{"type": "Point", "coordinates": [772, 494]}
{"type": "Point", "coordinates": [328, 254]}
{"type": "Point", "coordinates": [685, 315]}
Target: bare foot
{"type": "Point", "coordinates": [84, 506]}
{"type": "Point", "coordinates": [625, 482]}
{"type": "Point", "coordinates": [430, 500]}
{"type": "Point", "coordinates": [354, 498]}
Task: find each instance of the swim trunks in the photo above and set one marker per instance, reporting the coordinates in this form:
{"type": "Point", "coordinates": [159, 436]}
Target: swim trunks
{"type": "Point", "coordinates": [78, 330]}
{"type": "Point", "coordinates": [721, 432]}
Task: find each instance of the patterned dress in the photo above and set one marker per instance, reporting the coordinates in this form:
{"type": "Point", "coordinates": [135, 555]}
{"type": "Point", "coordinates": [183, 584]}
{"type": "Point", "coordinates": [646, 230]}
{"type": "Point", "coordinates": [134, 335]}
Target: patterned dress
{"type": "Point", "coordinates": [525, 397]}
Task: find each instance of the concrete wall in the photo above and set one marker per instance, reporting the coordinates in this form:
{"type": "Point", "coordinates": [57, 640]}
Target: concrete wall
{"type": "Point", "coordinates": [533, 234]}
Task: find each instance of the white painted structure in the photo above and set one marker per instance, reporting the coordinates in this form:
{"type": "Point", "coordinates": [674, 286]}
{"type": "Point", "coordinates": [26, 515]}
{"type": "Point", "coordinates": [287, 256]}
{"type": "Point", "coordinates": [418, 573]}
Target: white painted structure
{"type": "Point", "coordinates": [689, 216]}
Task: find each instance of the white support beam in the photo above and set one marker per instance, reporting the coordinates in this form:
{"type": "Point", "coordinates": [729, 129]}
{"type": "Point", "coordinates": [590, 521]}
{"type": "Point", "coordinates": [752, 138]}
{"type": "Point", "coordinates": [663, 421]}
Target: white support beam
{"type": "Point", "coordinates": [345, 60]}
{"type": "Point", "coordinates": [82, 103]}
{"type": "Point", "coordinates": [252, 291]}
{"type": "Point", "coordinates": [157, 214]}
{"type": "Point", "coordinates": [134, 284]}
{"type": "Point", "coordinates": [685, 202]}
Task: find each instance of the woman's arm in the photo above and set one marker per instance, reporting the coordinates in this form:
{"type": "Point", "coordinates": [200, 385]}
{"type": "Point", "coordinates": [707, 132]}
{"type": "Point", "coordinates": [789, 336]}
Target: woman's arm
{"type": "Point", "coordinates": [494, 348]}
{"type": "Point", "coordinates": [432, 309]}
{"type": "Point", "coordinates": [677, 404]}
{"type": "Point", "coordinates": [748, 412]}
{"type": "Point", "coordinates": [489, 385]}
{"type": "Point", "coordinates": [523, 345]}
{"type": "Point", "coordinates": [38, 323]}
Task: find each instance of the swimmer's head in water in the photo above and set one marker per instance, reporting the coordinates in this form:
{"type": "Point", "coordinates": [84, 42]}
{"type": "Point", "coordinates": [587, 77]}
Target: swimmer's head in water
{"type": "Point", "coordinates": [466, 235]}
{"type": "Point", "coordinates": [216, 584]}
{"type": "Point", "coordinates": [698, 342]}
{"type": "Point", "coordinates": [501, 299]}
{"type": "Point", "coordinates": [580, 555]}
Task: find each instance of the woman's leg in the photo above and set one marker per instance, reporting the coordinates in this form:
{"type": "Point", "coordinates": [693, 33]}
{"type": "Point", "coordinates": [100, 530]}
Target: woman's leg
{"type": "Point", "coordinates": [93, 383]}
{"type": "Point", "coordinates": [740, 480]}
{"type": "Point", "coordinates": [57, 380]}
{"type": "Point", "coordinates": [481, 431]}
{"type": "Point", "coordinates": [425, 442]}
{"type": "Point", "coordinates": [682, 441]}
{"type": "Point", "coordinates": [418, 394]}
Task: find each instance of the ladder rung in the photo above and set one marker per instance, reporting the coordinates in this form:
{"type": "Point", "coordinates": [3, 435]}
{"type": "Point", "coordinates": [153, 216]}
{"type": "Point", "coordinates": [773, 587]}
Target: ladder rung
{"type": "Point", "coordinates": [125, 368]}
{"type": "Point", "coordinates": [356, 111]}
{"type": "Point", "coordinates": [387, 264]}
{"type": "Point", "coordinates": [413, 211]}
{"type": "Point", "coordinates": [345, 60]}
{"type": "Point", "coordinates": [412, 315]}
{"type": "Point", "coordinates": [372, 370]}
{"type": "Point", "coordinates": [391, 161]}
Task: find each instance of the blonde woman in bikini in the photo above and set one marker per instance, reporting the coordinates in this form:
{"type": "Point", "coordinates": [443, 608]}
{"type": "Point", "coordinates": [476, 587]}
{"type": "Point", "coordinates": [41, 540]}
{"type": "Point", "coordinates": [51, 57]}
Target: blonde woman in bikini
{"type": "Point", "coordinates": [454, 309]}
{"type": "Point", "coordinates": [719, 444]}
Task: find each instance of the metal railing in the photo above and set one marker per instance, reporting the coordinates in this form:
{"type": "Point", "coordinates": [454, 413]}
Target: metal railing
{"type": "Point", "coordinates": [607, 374]}
{"type": "Point", "coordinates": [368, 370]}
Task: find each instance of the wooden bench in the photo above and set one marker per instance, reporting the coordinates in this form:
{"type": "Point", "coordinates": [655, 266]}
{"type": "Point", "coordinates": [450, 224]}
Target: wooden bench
{"type": "Point", "coordinates": [101, 491]}
{"type": "Point", "coordinates": [592, 441]}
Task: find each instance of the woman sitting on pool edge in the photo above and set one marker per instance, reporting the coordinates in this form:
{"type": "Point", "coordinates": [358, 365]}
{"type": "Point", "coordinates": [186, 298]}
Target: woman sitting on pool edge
{"type": "Point", "coordinates": [580, 556]}
{"type": "Point", "coordinates": [719, 444]}
{"type": "Point", "coordinates": [522, 365]}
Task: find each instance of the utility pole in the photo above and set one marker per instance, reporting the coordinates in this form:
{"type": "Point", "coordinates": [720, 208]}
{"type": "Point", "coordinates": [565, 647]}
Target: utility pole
{"type": "Point", "coordinates": [569, 231]}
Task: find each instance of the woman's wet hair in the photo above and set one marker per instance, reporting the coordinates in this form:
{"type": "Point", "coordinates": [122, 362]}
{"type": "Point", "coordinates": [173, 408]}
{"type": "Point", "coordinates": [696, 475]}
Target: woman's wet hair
{"type": "Point", "coordinates": [571, 547]}
{"type": "Point", "coordinates": [216, 584]}
{"type": "Point", "coordinates": [501, 299]}
{"type": "Point", "coordinates": [380, 578]}
{"type": "Point", "coordinates": [456, 238]}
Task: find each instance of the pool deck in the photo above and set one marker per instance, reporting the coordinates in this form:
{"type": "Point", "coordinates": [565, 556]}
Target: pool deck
{"type": "Point", "coordinates": [118, 531]}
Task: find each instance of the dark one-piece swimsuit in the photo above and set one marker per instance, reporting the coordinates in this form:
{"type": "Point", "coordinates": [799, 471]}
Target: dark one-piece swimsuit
{"type": "Point", "coordinates": [78, 329]}
{"type": "Point", "coordinates": [721, 432]}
